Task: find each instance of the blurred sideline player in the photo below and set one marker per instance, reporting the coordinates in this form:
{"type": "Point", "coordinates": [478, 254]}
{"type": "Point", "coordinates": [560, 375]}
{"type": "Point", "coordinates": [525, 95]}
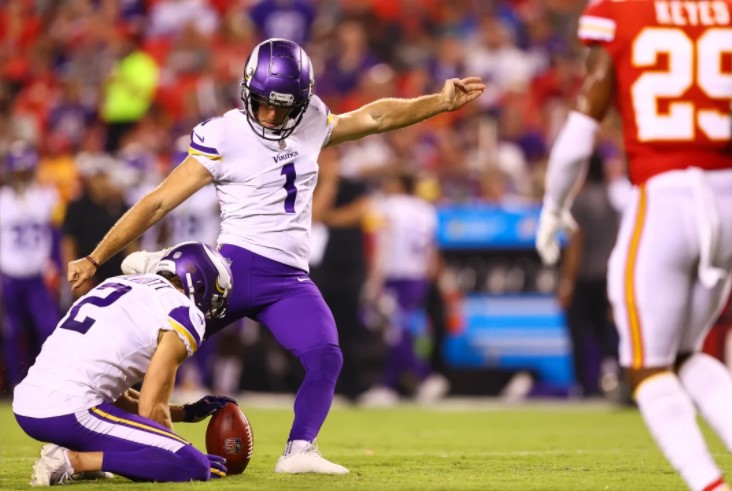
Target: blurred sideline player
{"type": "Point", "coordinates": [78, 395]}
{"type": "Point", "coordinates": [26, 243]}
{"type": "Point", "coordinates": [263, 161]}
{"type": "Point", "coordinates": [197, 218]}
{"type": "Point", "coordinates": [404, 261]}
{"type": "Point", "coordinates": [668, 65]}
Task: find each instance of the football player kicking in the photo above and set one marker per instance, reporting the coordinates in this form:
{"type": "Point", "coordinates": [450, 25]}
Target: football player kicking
{"type": "Point", "coordinates": [262, 160]}
{"type": "Point", "coordinates": [78, 395]}
{"type": "Point", "coordinates": [666, 63]}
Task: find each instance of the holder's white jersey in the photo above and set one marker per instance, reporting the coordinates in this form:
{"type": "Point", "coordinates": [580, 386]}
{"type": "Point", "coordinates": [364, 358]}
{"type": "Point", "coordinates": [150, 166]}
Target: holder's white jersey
{"type": "Point", "coordinates": [104, 344]}
{"type": "Point", "coordinates": [25, 230]}
{"type": "Point", "coordinates": [407, 237]}
{"type": "Point", "coordinates": [265, 188]}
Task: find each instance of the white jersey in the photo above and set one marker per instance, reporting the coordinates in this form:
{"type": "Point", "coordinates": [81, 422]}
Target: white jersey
{"type": "Point", "coordinates": [407, 236]}
{"type": "Point", "coordinates": [104, 344]}
{"type": "Point", "coordinates": [25, 230]}
{"type": "Point", "coordinates": [265, 189]}
{"type": "Point", "coordinates": [196, 219]}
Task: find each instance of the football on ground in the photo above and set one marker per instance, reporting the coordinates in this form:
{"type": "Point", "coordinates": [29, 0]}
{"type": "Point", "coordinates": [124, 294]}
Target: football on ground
{"type": "Point", "coordinates": [229, 435]}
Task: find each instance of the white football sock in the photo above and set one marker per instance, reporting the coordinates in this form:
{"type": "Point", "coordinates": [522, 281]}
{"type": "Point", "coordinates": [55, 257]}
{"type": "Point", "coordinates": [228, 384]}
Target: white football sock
{"type": "Point", "coordinates": [296, 446]}
{"type": "Point", "coordinates": [69, 467]}
{"type": "Point", "coordinates": [709, 384]}
{"type": "Point", "coordinates": [671, 418]}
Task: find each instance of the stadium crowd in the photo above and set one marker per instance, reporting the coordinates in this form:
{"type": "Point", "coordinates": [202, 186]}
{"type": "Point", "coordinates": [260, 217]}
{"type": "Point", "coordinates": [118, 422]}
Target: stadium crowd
{"type": "Point", "coordinates": [107, 91]}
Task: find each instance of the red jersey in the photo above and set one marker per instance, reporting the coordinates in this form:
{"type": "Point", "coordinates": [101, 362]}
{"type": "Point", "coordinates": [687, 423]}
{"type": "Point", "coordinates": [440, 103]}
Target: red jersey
{"type": "Point", "coordinates": [673, 71]}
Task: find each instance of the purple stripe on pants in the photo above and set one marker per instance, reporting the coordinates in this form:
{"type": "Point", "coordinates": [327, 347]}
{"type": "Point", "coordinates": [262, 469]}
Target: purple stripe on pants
{"type": "Point", "coordinates": [131, 459]}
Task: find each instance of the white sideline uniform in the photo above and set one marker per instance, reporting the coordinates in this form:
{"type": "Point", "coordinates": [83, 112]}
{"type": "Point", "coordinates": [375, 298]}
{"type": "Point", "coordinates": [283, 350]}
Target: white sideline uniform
{"type": "Point", "coordinates": [265, 190]}
{"type": "Point", "coordinates": [407, 236]}
{"type": "Point", "coordinates": [25, 230]}
{"type": "Point", "coordinates": [669, 273]}
{"type": "Point", "coordinates": [104, 344]}
{"type": "Point", "coordinates": [196, 219]}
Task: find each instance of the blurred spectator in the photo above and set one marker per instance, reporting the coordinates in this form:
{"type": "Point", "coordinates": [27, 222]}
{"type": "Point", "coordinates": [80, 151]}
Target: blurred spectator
{"type": "Point", "coordinates": [128, 91]}
{"type": "Point", "coordinates": [26, 241]}
{"type": "Point", "coordinates": [169, 17]}
{"type": "Point", "coordinates": [69, 116]}
{"type": "Point", "coordinates": [91, 215]}
{"type": "Point", "coordinates": [288, 19]}
{"type": "Point", "coordinates": [58, 168]}
{"type": "Point", "coordinates": [351, 57]}
{"type": "Point", "coordinates": [583, 286]}
{"type": "Point", "coordinates": [496, 58]}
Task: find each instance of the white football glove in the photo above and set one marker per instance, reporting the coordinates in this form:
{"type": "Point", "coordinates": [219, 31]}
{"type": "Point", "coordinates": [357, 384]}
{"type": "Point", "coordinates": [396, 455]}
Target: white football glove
{"type": "Point", "coordinates": [552, 221]}
{"type": "Point", "coordinates": [142, 262]}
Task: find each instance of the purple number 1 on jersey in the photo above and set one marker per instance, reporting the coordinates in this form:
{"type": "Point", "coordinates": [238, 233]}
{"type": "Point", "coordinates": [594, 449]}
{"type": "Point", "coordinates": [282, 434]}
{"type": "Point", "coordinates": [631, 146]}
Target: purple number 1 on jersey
{"type": "Point", "coordinates": [288, 170]}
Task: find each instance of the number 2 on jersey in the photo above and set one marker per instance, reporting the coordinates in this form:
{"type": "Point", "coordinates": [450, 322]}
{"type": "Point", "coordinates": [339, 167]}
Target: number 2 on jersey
{"type": "Point", "coordinates": [689, 63]}
{"type": "Point", "coordinates": [288, 170]}
{"type": "Point", "coordinates": [84, 325]}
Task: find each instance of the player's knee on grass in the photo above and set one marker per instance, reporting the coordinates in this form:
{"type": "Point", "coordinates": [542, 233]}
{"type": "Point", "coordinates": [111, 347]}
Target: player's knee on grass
{"type": "Point", "coordinates": [324, 362]}
{"type": "Point", "coordinates": [194, 463]}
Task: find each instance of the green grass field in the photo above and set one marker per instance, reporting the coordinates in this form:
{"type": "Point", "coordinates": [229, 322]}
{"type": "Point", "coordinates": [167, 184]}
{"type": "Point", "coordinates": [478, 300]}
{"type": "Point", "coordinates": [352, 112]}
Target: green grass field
{"type": "Point", "coordinates": [532, 447]}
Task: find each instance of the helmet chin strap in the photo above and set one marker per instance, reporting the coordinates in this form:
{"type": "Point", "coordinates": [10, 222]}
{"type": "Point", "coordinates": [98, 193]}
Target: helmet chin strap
{"type": "Point", "coordinates": [191, 289]}
{"type": "Point", "coordinates": [271, 134]}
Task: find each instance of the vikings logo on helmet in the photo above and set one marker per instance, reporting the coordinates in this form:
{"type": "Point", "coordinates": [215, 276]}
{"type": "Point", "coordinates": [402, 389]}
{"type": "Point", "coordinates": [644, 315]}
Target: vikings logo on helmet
{"type": "Point", "coordinates": [232, 445]}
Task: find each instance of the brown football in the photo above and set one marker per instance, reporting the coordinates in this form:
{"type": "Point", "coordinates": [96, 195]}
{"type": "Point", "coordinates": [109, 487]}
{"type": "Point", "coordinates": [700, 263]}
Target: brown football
{"type": "Point", "coordinates": [229, 435]}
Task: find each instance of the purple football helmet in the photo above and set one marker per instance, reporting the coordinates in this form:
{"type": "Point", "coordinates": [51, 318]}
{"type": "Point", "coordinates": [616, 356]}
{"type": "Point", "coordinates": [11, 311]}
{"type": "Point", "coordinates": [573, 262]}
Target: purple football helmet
{"type": "Point", "coordinates": [204, 274]}
{"type": "Point", "coordinates": [278, 72]}
{"type": "Point", "coordinates": [21, 157]}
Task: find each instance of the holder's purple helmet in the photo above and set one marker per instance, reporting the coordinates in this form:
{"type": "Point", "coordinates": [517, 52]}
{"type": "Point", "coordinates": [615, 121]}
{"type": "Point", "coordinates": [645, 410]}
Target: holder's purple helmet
{"type": "Point", "coordinates": [204, 273]}
{"type": "Point", "coordinates": [278, 72]}
{"type": "Point", "coordinates": [21, 157]}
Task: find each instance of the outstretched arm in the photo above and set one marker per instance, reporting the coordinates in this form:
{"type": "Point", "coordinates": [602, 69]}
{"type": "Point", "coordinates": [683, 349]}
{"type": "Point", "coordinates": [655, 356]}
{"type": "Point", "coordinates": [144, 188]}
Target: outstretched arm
{"type": "Point", "coordinates": [157, 386]}
{"type": "Point", "coordinates": [390, 114]}
{"type": "Point", "coordinates": [571, 151]}
{"type": "Point", "coordinates": [186, 179]}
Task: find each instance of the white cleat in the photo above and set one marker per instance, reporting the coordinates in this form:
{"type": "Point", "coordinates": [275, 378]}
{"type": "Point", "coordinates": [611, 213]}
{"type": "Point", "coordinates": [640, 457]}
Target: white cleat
{"type": "Point", "coordinates": [378, 396]}
{"type": "Point", "coordinates": [51, 468]}
{"type": "Point", "coordinates": [432, 389]}
{"type": "Point", "coordinates": [307, 460]}
{"type": "Point", "coordinates": [91, 476]}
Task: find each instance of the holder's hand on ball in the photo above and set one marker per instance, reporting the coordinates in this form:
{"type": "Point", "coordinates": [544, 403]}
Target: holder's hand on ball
{"type": "Point", "coordinates": [218, 467]}
{"type": "Point", "coordinates": [204, 408]}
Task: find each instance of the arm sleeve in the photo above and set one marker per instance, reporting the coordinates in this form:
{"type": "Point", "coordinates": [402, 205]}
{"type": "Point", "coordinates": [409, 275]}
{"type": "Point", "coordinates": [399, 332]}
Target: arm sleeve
{"type": "Point", "coordinates": [206, 146]}
{"type": "Point", "coordinates": [568, 159]}
{"type": "Point", "coordinates": [597, 24]}
{"type": "Point", "coordinates": [324, 118]}
{"type": "Point", "coordinates": [189, 324]}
